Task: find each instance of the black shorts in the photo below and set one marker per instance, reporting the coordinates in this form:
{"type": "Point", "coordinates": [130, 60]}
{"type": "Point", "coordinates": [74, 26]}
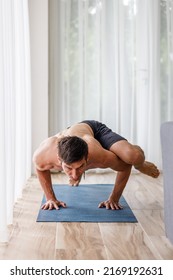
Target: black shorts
{"type": "Point", "coordinates": [104, 135]}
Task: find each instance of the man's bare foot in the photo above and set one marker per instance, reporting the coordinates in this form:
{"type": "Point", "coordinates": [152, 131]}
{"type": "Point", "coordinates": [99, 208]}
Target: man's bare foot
{"type": "Point", "coordinates": [149, 169]}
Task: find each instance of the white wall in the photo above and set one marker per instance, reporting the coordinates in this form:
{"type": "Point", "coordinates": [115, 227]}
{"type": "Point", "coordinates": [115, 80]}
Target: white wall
{"type": "Point", "coordinates": [38, 16]}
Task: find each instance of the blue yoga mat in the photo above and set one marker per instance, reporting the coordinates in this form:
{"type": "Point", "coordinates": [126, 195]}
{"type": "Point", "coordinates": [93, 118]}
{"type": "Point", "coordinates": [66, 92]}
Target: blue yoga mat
{"type": "Point", "coordinates": [82, 205]}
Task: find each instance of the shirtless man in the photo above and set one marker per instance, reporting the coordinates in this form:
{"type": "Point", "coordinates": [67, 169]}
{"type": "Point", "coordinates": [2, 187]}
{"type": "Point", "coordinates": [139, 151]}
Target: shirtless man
{"type": "Point", "coordinates": [87, 145]}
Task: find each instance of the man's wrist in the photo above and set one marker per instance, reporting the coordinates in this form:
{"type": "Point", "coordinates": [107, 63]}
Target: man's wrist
{"type": "Point", "coordinates": [115, 196]}
{"type": "Point", "coordinates": [53, 198]}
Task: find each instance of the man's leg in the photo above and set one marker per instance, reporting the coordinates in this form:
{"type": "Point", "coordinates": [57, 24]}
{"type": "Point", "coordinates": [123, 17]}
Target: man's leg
{"type": "Point", "coordinates": [129, 155]}
{"type": "Point", "coordinates": [134, 155]}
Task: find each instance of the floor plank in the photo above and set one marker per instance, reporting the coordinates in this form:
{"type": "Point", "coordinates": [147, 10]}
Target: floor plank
{"type": "Point", "coordinates": [127, 242]}
{"type": "Point", "coordinates": [28, 239]}
{"type": "Point", "coordinates": [79, 241]}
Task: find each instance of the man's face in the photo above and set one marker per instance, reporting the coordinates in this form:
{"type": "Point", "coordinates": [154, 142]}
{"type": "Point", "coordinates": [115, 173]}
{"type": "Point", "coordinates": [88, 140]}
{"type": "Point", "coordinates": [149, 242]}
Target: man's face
{"type": "Point", "coordinates": [74, 170]}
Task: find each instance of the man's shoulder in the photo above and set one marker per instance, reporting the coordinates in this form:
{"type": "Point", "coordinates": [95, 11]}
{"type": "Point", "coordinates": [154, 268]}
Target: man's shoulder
{"type": "Point", "coordinates": [48, 142]}
{"type": "Point", "coordinates": [45, 150]}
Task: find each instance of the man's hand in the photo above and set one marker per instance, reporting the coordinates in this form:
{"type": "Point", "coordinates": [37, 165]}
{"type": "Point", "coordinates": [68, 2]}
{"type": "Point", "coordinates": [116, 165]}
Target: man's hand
{"type": "Point", "coordinates": [110, 204]}
{"type": "Point", "coordinates": [53, 204]}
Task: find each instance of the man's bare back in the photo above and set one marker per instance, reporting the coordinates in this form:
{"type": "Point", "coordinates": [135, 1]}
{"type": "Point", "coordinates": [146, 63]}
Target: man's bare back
{"type": "Point", "coordinates": [121, 156]}
{"type": "Point", "coordinates": [97, 156]}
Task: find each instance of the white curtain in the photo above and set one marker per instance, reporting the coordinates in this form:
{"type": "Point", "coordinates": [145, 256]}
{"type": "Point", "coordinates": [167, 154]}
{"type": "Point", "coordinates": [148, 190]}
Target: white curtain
{"type": "Point", "coordinates": [167, 60]}
{"type": "Point", "coordinates": [105, 65]}
{"type": "Point", "coordinates": [148, 77]}
{"type": "Point", "coordinates": [15, 107]}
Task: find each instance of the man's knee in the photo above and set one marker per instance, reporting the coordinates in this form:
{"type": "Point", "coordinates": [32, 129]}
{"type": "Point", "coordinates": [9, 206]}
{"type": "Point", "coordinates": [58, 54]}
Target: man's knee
{"type": "Point", "coordinates": [135, 155]}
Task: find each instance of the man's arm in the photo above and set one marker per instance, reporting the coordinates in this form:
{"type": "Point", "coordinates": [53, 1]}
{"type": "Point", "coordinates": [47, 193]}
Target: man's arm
{"type": "Point", "coordinates": [46, 184]}
{"type": "Point", "coordinates": [120, 183]}
{"type": "Point", "coordinates": [41, 160]}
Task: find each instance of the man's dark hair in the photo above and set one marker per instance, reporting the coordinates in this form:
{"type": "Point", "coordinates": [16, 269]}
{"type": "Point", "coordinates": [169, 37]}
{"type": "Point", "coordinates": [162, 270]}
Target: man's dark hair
{"type": "Point", "coordinates": [72, 149]}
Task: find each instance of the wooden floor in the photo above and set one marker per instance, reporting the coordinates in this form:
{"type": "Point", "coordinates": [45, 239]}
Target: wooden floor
{"type": "Point", "coordinates": [144, 240]}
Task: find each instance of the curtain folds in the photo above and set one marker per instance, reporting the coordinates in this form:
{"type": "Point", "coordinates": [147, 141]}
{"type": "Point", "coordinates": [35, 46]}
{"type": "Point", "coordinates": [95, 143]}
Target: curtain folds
{"type": "Point", "coordinates": [15, 107]}
{"type": "Point", "coordinates": [112, 61]}
{"type": "Point", "coordinates": [148, 78]}
{"type": "Point", "coordinates": [169, 87]}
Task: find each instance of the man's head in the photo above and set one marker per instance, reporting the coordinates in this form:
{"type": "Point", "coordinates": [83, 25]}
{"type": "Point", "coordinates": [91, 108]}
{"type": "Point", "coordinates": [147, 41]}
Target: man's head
{"type": "Point", "coordinates": [72, 149]}
{"type": "Point", "coordinates": [73, 153]}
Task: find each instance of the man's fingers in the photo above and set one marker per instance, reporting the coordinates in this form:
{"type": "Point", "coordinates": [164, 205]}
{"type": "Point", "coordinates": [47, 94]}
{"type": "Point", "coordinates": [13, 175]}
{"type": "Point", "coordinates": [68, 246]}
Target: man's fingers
{"type": "Point", "coordinates": [63, 204]}
{"type": "Point", "coordinates": [110, 205]}
{"type": "Point", "coordinates": [44, 206]}
{"type": "Point", "coordinates": [101, 205]}
{"type": "Point", "coordinates": [107, 206]}
{"type": "Point", "coordinates": [49, 206]}
{"type": "Point", "coordinates": [113, 207]}
{"type": "Point", "coordinates": [53, 205]}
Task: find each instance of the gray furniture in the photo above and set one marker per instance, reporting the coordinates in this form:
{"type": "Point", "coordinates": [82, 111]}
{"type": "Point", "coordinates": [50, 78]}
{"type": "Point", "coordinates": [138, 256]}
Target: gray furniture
{"type": "Point", "coordinates": [167, 163]}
